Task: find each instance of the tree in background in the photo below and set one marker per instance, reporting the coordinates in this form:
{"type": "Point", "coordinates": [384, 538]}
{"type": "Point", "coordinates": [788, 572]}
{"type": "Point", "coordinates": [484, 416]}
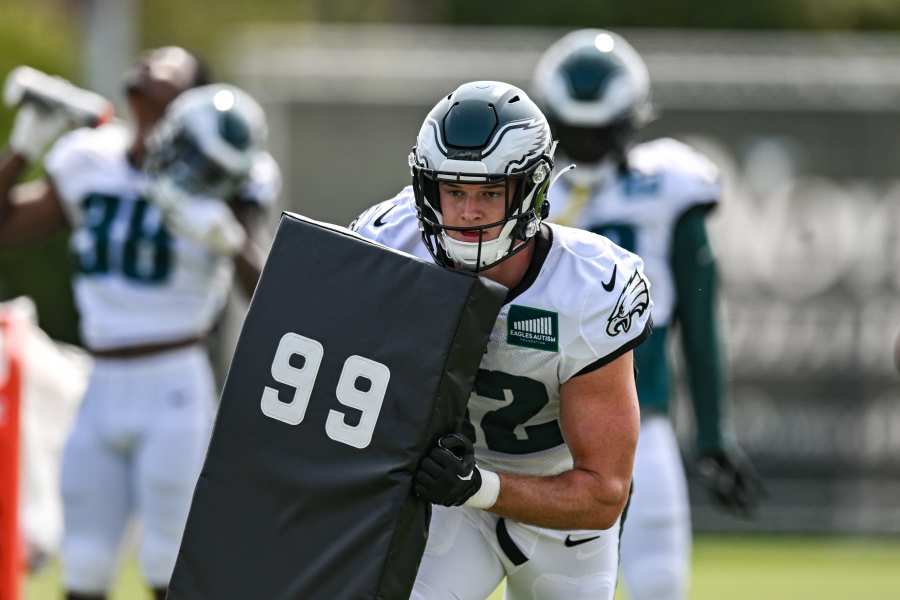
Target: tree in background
{"type": "Point", "coordinates": [872, 15]}
{"type": "Point", "coordinates": [38, 33]}
{"type": "Point", "coordinates": [194, 24]}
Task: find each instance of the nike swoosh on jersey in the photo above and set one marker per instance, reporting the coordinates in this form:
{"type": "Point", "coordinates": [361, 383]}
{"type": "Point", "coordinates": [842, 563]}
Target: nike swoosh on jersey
{"type": "Point", "coordinates": [379, 222]}
{"type": "Point", "coordinates": [612, 280]}
{"type": "Point", "coordinates": [570, 543]}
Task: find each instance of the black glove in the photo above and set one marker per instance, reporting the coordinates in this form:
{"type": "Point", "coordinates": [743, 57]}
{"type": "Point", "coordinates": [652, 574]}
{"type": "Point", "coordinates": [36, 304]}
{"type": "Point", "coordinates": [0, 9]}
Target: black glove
{"type": "Point", "coordinates": [447, 475]}
{"type": "Point", "coordinates": [731, 480]}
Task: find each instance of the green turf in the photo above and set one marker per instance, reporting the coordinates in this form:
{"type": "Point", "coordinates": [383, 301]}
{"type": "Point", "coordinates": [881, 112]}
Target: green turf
{"type": "Point", "coordinates": [725, 568]}
{"type": "Point", "coordinates": [47, 585]}
{"type": "Point", "coordinates": [792, 569]}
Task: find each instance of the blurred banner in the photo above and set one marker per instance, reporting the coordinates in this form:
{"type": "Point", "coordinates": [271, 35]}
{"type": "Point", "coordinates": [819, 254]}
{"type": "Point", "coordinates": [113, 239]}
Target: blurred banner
{"type": "Point", "coordinates": [805, 130]}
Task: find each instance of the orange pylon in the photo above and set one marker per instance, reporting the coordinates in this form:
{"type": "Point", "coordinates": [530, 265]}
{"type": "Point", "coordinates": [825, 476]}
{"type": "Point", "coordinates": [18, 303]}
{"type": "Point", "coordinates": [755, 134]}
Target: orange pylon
{"type": "Point", "coordinates": [10, 399]}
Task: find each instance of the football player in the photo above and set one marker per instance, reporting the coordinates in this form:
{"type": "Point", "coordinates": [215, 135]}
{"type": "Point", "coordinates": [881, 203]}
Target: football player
{"type": "Point", "coordinates": [160, 217]}
{"type": "Point", "coordinates": [534, 490]}
{"type": "Point", "coordinates": [652, 199]}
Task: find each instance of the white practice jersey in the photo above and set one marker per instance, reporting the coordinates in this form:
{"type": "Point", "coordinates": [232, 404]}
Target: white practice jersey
{"type": "Point", "coordinates": [135, 282]}
{"type": "Point", "coordinates": [638, 210]}
{"type": "Point", "coordinates": [587, 303]}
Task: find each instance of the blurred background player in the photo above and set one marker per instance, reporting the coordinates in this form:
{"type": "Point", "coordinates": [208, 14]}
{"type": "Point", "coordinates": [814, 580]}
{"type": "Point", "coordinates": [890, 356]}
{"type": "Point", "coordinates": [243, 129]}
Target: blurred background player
{"type": "Point", "coordinates": [160, 216]}
{"type": "Point", "coordinates": [652, 199]}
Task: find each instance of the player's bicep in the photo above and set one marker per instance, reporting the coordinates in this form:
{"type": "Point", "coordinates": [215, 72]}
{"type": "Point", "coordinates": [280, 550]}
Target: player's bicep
{"type": "Point", "coordinates": [693, 266]}
{"type": "Point", "coordinates": [600, 419]}
{"type": "Point", "coordinates": [36, 212]}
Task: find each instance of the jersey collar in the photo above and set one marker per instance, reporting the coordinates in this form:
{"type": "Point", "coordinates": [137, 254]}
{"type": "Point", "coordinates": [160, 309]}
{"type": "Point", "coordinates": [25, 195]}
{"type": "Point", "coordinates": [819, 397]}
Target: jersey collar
{"type": "Point", "coordinates": [542, 242]}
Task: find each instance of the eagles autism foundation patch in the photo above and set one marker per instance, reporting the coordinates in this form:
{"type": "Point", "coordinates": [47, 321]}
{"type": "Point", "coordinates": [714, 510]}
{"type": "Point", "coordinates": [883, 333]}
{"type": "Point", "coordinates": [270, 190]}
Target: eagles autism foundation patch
{"type": "Point", "coordinates": [532, 328]}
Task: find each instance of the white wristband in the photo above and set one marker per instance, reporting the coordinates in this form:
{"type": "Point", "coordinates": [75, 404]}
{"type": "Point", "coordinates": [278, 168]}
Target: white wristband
{"type": "Point", "coordinates": [487, 494]}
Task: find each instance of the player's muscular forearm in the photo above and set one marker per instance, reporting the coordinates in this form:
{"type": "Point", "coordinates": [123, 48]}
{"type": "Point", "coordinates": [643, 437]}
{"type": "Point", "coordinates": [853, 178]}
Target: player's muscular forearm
{"type": "Point", "coordinates": [600, 420]}
{"type": "Point", "coordinates": [248, 266]}
{"type": "Point", "coordinates": [249, 259]}
{"type": "Point", "coordinates": [34, 128]}
{"type": "Point", "coordinates": [576, 499]}
{"type": "Point", "coordinates": [12, 167]}
{"type": "Point", "coordinates": [28, 211]}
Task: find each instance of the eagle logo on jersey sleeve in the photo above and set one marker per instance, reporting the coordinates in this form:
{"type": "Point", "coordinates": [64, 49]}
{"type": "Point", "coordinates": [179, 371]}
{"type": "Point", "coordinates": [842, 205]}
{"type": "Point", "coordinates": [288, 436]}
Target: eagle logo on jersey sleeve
{"type": "Point", "coordinates": [634, 300]}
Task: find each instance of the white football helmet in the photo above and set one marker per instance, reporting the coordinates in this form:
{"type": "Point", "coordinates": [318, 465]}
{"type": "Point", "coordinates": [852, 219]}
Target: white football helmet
{"type": "Point", "coordinates": [595, 90]}
{"type": "Point", "coordinates": [207, 141]}
{"type": "Point", "coordinates": [483, 132]}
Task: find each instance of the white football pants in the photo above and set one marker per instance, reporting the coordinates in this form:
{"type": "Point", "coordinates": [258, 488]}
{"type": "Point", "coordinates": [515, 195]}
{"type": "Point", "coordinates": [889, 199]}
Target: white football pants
{"type": "Point", "coordinates": [136, 449]}
{"type": "Point", "coordinates": [656, 539]}
{"type": "Point", "coordinates": [470, 551]}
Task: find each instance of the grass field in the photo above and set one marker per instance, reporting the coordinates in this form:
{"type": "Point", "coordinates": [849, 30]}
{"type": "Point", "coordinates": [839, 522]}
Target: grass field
{"type": "Point", "coordinates": [725, 568]}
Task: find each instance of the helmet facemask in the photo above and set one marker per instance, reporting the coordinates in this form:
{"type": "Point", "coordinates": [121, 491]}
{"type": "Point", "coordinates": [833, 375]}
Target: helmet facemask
{"type": "Point", "coordinates": [183, 162]}
{"type": "Point", "coordinates": [482, 133]}
{"type": "Point", "coordinates": [525, 201]}
{"type": "Point", "coordinates": [207, 142]}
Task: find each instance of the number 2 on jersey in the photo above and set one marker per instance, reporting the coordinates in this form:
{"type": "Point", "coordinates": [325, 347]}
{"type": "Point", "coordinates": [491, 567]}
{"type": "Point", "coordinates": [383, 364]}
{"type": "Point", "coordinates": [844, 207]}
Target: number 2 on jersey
{"type": "Point", "coordinates": [504, 428]}
{"type": "Point", "coordinates": [145, 252]}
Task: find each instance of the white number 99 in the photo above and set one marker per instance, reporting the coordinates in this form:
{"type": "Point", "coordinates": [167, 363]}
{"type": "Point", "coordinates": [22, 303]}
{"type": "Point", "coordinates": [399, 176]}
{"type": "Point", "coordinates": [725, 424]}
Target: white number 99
{"type": "Point", "coordinates": [362, 385]}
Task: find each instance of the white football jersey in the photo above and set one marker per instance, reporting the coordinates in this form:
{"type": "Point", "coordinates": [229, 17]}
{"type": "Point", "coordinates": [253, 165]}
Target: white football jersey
{"type": "Point", "coordinates": [583, 303]}
{"type": "Point", "coordinates": [638, 210]}
{"type": "Point", "coordinates": [135, 282]}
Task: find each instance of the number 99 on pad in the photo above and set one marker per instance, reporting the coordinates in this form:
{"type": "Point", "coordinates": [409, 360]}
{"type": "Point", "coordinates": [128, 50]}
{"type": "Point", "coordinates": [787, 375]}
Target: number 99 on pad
{"type": "Point", "coordinates": [362, 385]}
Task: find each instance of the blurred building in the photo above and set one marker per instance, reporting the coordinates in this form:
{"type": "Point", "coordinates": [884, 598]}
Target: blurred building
{"type": "Point", "coordinates": [805, 129]}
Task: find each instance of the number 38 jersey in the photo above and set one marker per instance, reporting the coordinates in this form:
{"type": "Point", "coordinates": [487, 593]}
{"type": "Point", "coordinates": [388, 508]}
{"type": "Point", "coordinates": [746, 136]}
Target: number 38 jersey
{"type": "Point", "coordinates": [135, 282]}
{"type": "Point", "coordinates": [583, 302]}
